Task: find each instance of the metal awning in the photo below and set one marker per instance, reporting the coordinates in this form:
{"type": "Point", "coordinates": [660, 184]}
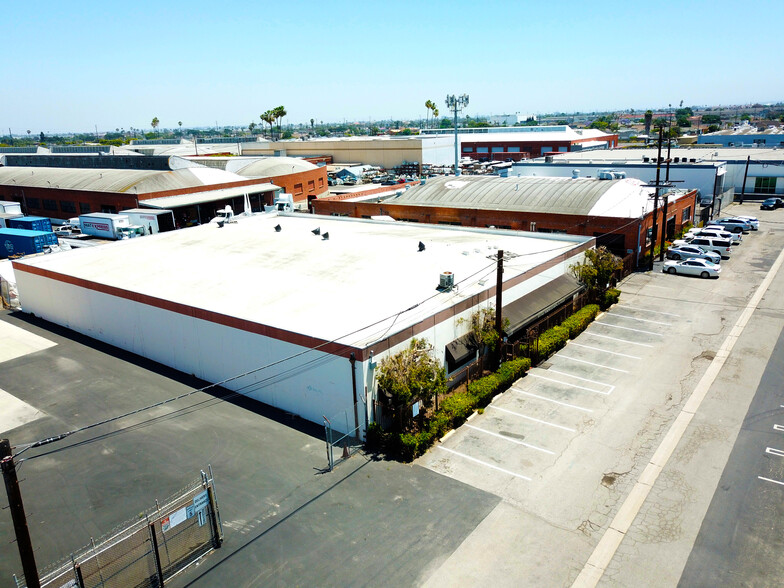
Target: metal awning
{"type": "Point", "coordinates": [208, 196]}
{"type": "Point", "coordinates": [538, 303]}
{"type": "Point", "coordinates": [459, 350]}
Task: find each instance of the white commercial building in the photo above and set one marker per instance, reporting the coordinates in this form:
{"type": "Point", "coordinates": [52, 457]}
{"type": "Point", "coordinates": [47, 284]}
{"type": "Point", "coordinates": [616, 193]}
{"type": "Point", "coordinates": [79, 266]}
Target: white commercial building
{"type": "Point", "coordinates": [296, 315]}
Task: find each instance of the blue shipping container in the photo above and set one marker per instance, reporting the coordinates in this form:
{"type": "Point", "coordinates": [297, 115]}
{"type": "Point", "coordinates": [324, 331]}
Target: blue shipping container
{"type": "Point", "coordinates": [16, 242]}
{"type": "Point", "coordinates": [31, 223]}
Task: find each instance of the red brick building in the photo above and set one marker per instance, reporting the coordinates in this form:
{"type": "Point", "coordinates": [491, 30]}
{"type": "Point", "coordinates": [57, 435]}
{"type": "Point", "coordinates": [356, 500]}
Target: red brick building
{"type": "Point", "coordinates": [609, 210]}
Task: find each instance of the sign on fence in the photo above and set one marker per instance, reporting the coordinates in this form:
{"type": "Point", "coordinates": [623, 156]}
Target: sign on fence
{"type": "Point", "coordinates": [146, 553]}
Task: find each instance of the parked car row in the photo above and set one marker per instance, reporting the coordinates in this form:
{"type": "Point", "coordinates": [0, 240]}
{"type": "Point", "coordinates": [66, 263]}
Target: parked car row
{"type": "Point", "coordinates": [700, 251]}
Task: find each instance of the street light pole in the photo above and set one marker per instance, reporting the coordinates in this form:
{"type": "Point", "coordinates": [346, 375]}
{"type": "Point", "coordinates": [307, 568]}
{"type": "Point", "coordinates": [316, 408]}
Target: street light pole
{"type": "Point", "coordinates": [456, 103]}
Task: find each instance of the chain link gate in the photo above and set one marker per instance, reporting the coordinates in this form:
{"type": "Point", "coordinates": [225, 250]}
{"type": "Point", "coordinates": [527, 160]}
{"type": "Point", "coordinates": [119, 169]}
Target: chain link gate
{"type": "Point", "coordinates": [342, 432]}
{"type": "Point", "coordinates": [154, 548]}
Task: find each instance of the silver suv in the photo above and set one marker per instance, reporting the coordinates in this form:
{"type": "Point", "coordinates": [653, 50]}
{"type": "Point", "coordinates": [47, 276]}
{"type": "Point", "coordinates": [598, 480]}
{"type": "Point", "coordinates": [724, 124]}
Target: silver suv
{"type": "Point", "coordinates": [734, 225]}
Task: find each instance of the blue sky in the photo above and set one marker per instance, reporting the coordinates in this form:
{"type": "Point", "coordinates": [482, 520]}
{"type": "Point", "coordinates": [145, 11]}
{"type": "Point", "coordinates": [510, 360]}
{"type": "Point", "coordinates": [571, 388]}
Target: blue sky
{"type": "Point", "coordinates": [74, 65]}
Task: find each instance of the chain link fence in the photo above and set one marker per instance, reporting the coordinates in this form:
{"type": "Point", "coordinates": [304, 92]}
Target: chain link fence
{"type": "Point", "coordinates": [146, 553]}
{"type": "Point", "coordinates": [343, 434]}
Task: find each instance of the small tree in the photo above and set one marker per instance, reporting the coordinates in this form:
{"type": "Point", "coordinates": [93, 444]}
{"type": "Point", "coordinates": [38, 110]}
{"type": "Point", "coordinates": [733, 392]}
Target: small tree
{"type": "Point", "coordinates": [155, 122]}
{"type": "Point", "coordinates": [596, 270]}
{"type": "Point", "coordinates": [411, 374]}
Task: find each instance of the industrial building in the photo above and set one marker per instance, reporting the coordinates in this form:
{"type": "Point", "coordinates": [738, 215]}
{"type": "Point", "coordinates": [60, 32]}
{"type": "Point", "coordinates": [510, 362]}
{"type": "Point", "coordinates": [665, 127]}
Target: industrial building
{"type": "Point", "coordinates": [64, 186]}
{"type": "Point", "coordinates": [762, 168]}
{"type": "Point", "coordinates": [745, 135]}
{"type": "Point", "coordinates": [617, 212]}
{"type": "Point", "coordinates": [295, 310]}
{"type": "Point", "coordinates": [519, 143]}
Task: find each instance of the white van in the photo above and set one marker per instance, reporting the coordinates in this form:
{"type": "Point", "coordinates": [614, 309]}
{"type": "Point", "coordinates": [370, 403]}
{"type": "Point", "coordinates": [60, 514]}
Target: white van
{"type": "Point", "coordinates": [721, 246]}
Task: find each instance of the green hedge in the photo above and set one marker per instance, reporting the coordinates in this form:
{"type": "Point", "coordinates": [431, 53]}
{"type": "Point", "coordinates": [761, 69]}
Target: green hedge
{"type": "Point", "coordinates": [455, 409]}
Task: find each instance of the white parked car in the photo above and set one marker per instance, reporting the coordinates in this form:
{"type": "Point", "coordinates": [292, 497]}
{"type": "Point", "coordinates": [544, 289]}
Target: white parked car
{"type": "Point", "coordinates": [717, 232]}
{"type": "Point", "coordinates": [692, 267]}
{"type": "Point", "coordinates": [692, 251]}
{"type": "Point", "coordinates": [752, 220]}
{"type": "Point", "coordinates": [732, 224]}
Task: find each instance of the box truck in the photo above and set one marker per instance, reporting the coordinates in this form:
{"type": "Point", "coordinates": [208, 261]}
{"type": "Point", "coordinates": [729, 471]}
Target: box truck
{"type": "Point", "coordinates": [17, 242]}
{"type": "Point", "coordinates": [6, 216]}
{"type": "Point", "coordinates": [109, 226]}
{"type": "Point", "coordinates": [31, 223]}
{"type": "Point", "coordinates": [152, 220]}
{"type": "Point", "coordinates": [7, 206]}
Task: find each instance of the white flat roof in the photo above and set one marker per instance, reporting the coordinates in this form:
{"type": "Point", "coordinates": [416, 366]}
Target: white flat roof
{"type": "Point", "coordinates": [702, 153]}
{"type": "Point", "coordinates": [207, 196]}
{"type": "Point", "coordinates": [298, 282]}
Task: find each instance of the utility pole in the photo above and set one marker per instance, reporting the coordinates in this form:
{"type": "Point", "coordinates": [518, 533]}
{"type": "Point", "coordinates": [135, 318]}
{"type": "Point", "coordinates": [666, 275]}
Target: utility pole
{"type": "Point", "coordinates": [499, 283]}
{"type": "Point", "coordinates": [16, 507]}
{"type": "Point", "coordinates": [656, 200]}
{"type": "Point", "coordinates": [666, 198]}
{"type": "Point", "coordinates": [745, 175]}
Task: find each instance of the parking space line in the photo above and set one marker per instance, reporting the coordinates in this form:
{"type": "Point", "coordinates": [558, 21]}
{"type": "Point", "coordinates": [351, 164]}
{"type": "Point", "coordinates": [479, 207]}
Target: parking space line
{"type": "Point", "coordinates": [568, 384]}
{"type": "Point", "coordinates": [779, 428]}
{"type": "Point", "coordinates": [510, 439]}
{"type": "Point", "coordinates": [774, 451]}
{"type": "Point", "coordinates": [620, 340]}
{"type": "Point", "coordinates": [648, 310]}
{"type": "Point", "coordinates": [610, 386]}
{"type": "Point", "coordinates": [566, 404]}
{"type": "Point", "coordinates": [604, 350]}
{"type": "Point", "coordinates": [627, 328]}
{"type": "Point", "coordinates": [488, 465]}
{"type": "Point", "coordinates": [769, 480]}
{"type": "Point", "coordinates": [638, 319]}
{"type": "Point", "coordinates": [607, 367]}
{"type": "Point", "coordinates": [523, 416]}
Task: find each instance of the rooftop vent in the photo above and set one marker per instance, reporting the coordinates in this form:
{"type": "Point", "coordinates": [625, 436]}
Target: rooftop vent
{"type": "Point", "coordinates": [277, 228]}
{"type": "Point", "coordinates": [325, 237]}
{"type": "Point", "coordinates": [421, 246]}
{"type": "Point", "coordinates": [316, 231]}
{"type": "Point", "coordinates": [575, 174]}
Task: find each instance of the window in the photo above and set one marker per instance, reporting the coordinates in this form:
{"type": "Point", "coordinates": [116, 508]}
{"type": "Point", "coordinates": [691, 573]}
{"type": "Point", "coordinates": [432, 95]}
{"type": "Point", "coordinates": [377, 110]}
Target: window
{"type": "Point", "coordinates": [33, 203]}
{"type": "Point", "coordinates": [50, 204]}
{"type": "Point", "coordinates": [67, 206]}
{"type": "Point", "coordinates": [545, 149]}
{"type": "Point", "coordinates": [686, 214]}
{"type": "Point", "coordinates": [468, 149]}
{"type": "Point", "coordinates": [765, 185]}
{"type": "Point", "coordinates": [84, 208]}
{"type": "Point", "coordinates": [481, 150]}
{"type": "Point", "coordinates": [513, 150]}
{"type": "Point", "coordinates": [321, 182]}
{"type": "Point", "coordinates": [297, 188]}
{"type": "Point", "coordinates": [108, 209]}
{"type": "Point", "coordinates": [648, 236]}
{"type": "Point", "coordinates": [497, 149]}
{"type": "Point", "coordinates": [311, 185]}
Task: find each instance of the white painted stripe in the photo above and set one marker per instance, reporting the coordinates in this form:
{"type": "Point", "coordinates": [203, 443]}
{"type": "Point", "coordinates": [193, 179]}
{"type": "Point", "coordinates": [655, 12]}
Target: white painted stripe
{"type": "Point", "coordinates": [510, 439]}
{"type": "Point", "coordinates": [592, 334]}
{"type": "Point", "coordinates": [607, 367]}
{"type": "Point", "coordinates": [626, 316]}
{"type": "Point", "coordinates": [566, 404]}
{"type": "Point", "coordinates": [648, 310]}
{"type": "Point", "coordinates": [552, 371]}
{"type": "Point", "coordinates": [626, 328]}
{"type": "Point", "coordinates": [608, 544]}
{"type": "Point", "coordinates": [570, 385]}
{"type": "Point", "coordinates": [778, 428]}
{"type": "Point", "coordinates": [774, 451]}
{"type": "Point", "coordinates": [604, 350]}
{"type": "Point", "coordinates": [523, 416]}
{"type": "Point", "coordinates": [488, 465]}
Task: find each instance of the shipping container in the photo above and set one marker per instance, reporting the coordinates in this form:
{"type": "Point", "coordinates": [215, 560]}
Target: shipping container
{"type": "Point", "coordinates": [31, 223]}
{"type": "Point", "coordinates": [18, 242]}
{"type": "Point", "coordinates": [152, 219]}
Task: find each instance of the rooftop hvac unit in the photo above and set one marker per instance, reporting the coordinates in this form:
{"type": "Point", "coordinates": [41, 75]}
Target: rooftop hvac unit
{"type": "Point", "coordinates": [693, 160]}
{"type": "Point", "coordinates": [646, 159]}
{"type": "Point", "coordinates": [446, 280]}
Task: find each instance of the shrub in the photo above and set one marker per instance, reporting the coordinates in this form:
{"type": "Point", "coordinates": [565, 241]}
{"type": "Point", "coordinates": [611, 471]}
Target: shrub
{"type": "Point", "coordinates": [458, 407]}
{"type": "Point", "coordinates": [610, 297]}
{"type": "Point", "coordinates": [552, 340]}
{"type": "Point", "coordinates": [578, 322]}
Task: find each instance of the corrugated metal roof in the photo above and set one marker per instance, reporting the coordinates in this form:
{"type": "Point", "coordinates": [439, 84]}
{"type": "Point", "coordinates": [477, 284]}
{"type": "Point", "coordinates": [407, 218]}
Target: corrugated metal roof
{"type": "Point", "coordinates": [115, 180]}
{"type": "Point", "coordinates": [208, 196]}
{"type": "Point", "coordinates": [270, 167]}
{"type": "Point", "coordinates": [525, 194]}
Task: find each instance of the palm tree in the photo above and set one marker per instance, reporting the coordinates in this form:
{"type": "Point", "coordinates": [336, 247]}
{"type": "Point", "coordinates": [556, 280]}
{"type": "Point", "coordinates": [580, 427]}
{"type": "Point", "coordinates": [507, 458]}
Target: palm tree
{"type": "Point", "coordinates": [435, 116]}
{"type": "Point", "coordinates": [312, 123]}
{"type": "Point", "coordinates": [648, 119]}
{"type": "Point", "coordinates": [429, 106]}
{"type": "Point", "coordinates": [155, 122]}
{"type": "Point", "coordinates": [269, 118]}
{"type": "Point", "coordinates": [279, 112]}
{"type": "Point", "coordinates": [252, 127]}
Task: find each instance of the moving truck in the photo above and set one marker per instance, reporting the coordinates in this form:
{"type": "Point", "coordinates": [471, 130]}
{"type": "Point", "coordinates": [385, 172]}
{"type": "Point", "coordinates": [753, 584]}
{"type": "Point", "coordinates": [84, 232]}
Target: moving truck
{"type": "Point", "coordinates": [109, 226]}
{"type": "Point", "coordinates": [18, 242]}
{"type": "Point", "coordinates": [152, 220]}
